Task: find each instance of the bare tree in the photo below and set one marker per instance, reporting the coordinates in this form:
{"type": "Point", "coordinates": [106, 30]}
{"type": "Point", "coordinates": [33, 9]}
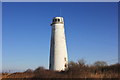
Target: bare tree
{"type": "Point", "coordinates": [100, 63]}
{"type": "Point", "coordinates": [29, 71]}
{"type": "Point", "coordinates": [81, 62]}
{"type": "Point", "coordinates": [39, 69]}
{"type": "Point", "coordinates": [71, 64]}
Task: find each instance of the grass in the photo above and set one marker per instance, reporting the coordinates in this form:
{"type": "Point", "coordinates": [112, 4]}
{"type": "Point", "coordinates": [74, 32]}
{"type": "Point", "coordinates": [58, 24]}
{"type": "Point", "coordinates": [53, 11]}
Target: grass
{"type": "Point", "coordinates": [75, 70]}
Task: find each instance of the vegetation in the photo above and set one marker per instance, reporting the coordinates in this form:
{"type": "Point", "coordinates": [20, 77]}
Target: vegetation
{"type": "Point", "coordinates": [80, 69]}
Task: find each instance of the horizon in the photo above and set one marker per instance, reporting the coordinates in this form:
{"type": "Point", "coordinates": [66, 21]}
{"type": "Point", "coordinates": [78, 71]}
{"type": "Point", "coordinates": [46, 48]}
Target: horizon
{"type": "Point", "coordinates": [91, 32]}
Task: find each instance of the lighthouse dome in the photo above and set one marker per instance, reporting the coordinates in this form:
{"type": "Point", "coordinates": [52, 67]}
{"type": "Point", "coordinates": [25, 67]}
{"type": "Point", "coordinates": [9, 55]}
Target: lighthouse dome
{"type": "Point", "coordinates": [57, 20]}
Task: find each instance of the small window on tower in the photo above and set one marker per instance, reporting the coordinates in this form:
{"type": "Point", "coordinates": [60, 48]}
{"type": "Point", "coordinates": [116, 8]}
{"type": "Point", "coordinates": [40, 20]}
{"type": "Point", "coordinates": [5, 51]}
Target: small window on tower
{"type": "Point", "coordinates": [58, 20]}
{"type": "Point", "coordinates": [55, 20]}
{"type": "Point", "coordinates": [65, 59]}
{"type": "Point", "coordinates": [65, 65]}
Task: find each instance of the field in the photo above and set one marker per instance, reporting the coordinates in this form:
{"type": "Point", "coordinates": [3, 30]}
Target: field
{"type": "Point", "coordinates": [99, 70]}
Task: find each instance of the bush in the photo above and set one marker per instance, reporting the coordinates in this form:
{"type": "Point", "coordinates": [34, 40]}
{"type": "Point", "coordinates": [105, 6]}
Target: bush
{"type": "Point", "coordinates": [29, 71]}
{"type": "Point", "coordinates": [39, 69]}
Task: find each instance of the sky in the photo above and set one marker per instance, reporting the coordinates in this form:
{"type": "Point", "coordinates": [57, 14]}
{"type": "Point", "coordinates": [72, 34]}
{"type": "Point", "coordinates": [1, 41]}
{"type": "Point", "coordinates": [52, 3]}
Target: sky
{"type": "Point", "coordinates": [91, 32]}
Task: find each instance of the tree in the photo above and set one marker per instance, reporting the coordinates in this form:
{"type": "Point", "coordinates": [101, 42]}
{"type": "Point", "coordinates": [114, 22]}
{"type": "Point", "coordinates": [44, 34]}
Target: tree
{"type": "Point", "coordinates": [81, 62]}
{"type": "Point", "coordinates": [100, 63]}
{"type": "Point", "coordinates": [39, 69]}
{"type": "Point", "coordinates": [29, 71]}
{"type": "Point", "coordinates": [72, 64]}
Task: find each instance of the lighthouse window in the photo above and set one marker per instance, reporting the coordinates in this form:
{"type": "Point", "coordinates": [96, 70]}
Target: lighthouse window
{"type": "Point", "coordinates": [55, 20]}
{"type": "Point", "coordinates": [65, 65]}
{"type": "Point", "coordinates": [58, 20]}
{"type": "Point", "coordinates": [65, 59]}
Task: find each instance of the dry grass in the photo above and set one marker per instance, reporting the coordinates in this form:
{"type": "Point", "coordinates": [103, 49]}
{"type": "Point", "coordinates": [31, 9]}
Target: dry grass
{"type": "Point", "coordinates": [75, 70]}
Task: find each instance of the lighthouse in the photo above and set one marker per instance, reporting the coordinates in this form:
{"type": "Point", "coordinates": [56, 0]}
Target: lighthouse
{"type": "Point", "coordinates": [58, 48]}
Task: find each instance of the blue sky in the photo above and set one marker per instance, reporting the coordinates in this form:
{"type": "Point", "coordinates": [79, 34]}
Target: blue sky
{"type": "Point", "coordinates": [91, 32]}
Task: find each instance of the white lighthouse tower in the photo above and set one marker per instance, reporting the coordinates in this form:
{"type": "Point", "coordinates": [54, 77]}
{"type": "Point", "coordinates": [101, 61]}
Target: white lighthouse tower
{"type": "Point", "coordinates": [58, 50]}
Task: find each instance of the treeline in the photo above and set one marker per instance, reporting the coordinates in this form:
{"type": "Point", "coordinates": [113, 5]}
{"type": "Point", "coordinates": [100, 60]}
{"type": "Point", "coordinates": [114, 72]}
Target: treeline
{"type": "Point", "coordinates": [80, 69]}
